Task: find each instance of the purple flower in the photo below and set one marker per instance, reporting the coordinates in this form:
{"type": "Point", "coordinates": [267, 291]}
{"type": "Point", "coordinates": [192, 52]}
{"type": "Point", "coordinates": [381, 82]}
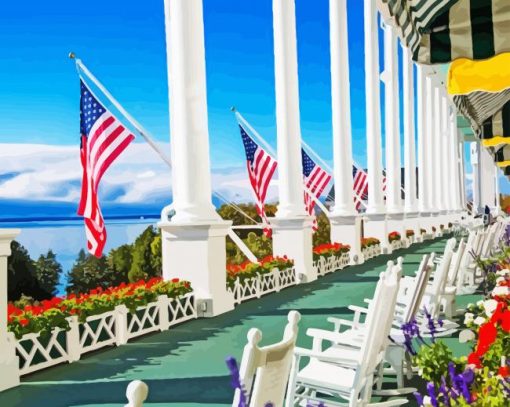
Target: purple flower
{"type": "Point", "coordinates": [236, 380]}
{"type": "Point", "coordinates": [431, 389]}
{"type": "Point", "coordinates": [419, 398]}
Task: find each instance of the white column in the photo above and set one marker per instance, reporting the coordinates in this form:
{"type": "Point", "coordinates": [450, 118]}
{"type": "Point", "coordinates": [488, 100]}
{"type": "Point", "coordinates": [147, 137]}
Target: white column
{"type": "Point", "coordinates": [375, 224]}
{"type": "Point", "coordinates": [462, 175]}
{"type": "Point", "coordinates": [438, 151]}
{"type": "Point", "coordinates": [411, 205]}
{"type": "Point", "coordinates": [292, 233]}
{"type": "Point", "coordinates": [455, 187]}
{"type": "Point", "coordinates": [446, 178]}
{"type": "Point", "coordinates": [475, 165]}
{"type": "Point", "coordinates": [392, 122]}
{"type": "Point", "coordinates": [423, 142]}
{"type": "Point", "coordinates": [9, 363]}
{"type": "Point", "coordinates": [497, 203]}
{"type": "Point", "coordinates": [373, 110]}
{"type": "Point", "coordinates": [343, 216]}
{"type": "Point", "coordinates": [194, 239]}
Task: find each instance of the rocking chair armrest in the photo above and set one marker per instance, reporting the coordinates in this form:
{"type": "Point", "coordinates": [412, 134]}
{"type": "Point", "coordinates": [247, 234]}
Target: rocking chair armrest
{"type": "Point", "coordinates": [356, 308]}
{"type": "Point", "coordinates": [367, 301]}
{"type": "Point", "coordinates": [338, 322]}
{"type": "Point", "coordinates": [346, 362]}
{"type": "Point", "coordinates": [333, 337]}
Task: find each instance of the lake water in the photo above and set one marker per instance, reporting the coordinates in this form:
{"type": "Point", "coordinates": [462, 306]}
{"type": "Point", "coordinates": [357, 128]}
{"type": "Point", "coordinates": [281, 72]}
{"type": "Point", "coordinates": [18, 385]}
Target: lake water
{"type": "Point", "coordinates": [67, 238]}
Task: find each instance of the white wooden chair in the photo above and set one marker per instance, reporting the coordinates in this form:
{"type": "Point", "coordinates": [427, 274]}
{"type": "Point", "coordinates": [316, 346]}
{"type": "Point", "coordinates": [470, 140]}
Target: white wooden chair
{"type": "Point", "coordinates": [447, 296]}
{"type": "Point", "coordinates": [264, 371]}
{"type": "Point", "coordinates": [136, 393]}
{"type": "Point", "coordinates": [347, 372]}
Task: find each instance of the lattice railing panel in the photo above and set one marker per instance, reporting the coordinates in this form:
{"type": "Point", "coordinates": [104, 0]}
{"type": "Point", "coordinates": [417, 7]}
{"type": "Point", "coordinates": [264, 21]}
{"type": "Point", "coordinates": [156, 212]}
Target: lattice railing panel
{"type": "Point", "coordinates": [287, 277]}
{"type": "Point", "coordinates": [36, 352]}
{"type": "Point", "coordinates": [181, 309]}
{"type": "Point", "coordinates": [143, 320]}
{"type": "Point", "coordinates": [97, 331]}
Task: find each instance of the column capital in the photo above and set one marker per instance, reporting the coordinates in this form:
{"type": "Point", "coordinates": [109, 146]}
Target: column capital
{"type": "Point", "coordinates": [6, 237]}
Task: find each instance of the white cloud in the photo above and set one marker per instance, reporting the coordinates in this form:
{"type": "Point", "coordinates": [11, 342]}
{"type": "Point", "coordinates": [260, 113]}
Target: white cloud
{"type": "Point", "coordinates": [53, 173]}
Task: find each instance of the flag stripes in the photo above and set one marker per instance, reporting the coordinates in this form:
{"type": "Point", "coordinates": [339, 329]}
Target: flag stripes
{"type": "Point", "coordinates": [261, 167]}
{"type": "Point", "coordinates": [360, 186]}
{"type": "Point", "coordinates": [103, 139]}
{"type": "Point", "coordinates": [316, 179]}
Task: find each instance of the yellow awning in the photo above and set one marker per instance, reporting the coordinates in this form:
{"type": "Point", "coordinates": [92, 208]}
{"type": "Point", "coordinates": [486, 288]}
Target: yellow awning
{"type": "Point", "coordinates": [491, 75]}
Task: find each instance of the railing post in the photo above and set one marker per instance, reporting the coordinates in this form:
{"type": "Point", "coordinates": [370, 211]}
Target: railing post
{"type": "Point", "coordinates": [73, 345]}
{"type": "Point", "coordinates": [9, 362]}
{"type": "Point", "coordinates": [276, 273]}
{"type": "Point", "coordinates": [121, 325]}
{"type": "Point", "coordinates": [164, 315]}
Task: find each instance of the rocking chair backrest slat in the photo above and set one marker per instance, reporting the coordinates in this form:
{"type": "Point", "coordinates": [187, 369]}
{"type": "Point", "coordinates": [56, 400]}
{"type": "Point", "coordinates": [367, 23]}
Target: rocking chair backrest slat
{"type": "Point", "coordinates": [455, 264]}
{"type": "Point", "coordinates": [264, 371]}
{"type": "Point", "coordinates": [442, 269]}
{"type": "Point", "coordinates": [379, 326]}
{"type": "Point", "coordinates": [420, 286]}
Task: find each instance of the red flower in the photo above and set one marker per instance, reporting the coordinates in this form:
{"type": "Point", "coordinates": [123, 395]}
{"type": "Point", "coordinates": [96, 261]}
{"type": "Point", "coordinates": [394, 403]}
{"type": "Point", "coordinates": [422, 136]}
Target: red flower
{"type": "Point", "coordinates": [473, 359]}
{"type": "Point", "coordinates": [23, 321]}
{"type": "Point", "coordinates": [487, 335]}
{"type": "Point", "coordinates": [175, 280]}
{"type": "Point", "coordinates": [504, 371]}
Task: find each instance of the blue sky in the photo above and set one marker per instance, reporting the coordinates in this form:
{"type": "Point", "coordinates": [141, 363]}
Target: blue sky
{"type": "Point", "coordinates": [123, 44]}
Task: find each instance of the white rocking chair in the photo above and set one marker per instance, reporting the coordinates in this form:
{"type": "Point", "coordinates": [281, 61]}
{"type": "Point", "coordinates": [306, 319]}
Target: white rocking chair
{"type": "Point", "coordinates": [347, 372]}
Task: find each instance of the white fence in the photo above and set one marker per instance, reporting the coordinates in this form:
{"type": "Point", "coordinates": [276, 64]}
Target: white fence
{"type": "Point", "coordinates": [262, 284]}
{"type": "Point", "coordinates": [115, 327]}
{"type": "Point", "coordinates": [371, 251]}
{"type": "Point", "coordinates": [326, 265]}
{"type": "Point", "coordinates": [396, 244]}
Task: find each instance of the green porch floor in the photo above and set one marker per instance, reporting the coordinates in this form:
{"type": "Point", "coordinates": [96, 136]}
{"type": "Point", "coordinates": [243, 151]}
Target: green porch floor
{"type": "Point", "coordinates": [185, 365]}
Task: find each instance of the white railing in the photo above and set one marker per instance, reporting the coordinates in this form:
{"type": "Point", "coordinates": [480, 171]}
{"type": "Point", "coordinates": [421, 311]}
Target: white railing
{"type": "Point", "coordinates": [396, 244]}
{"type": "Point", "coordinates": [262, 284]}
{"type": "Point", "coordinates": [371, 251]}
{"type": "Point", "coordinates": [325, 265]}
{"type": "Point", "coordinates": [115, 327]}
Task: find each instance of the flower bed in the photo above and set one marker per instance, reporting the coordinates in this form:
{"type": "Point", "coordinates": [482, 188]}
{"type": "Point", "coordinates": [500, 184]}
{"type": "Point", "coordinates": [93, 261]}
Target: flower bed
{"type": "Point", "coordinates": [49, 314]}
{"type": "Point", "coordinates": [330, 257]}
{"type": "Point", "coordinates": [252, 280]}
{"type": "Point", "coordinates": [481, 378]}
{"type": "Point", "coordinates": [62, 329]}
{"type": "Point", "coordinates": [370, 247]}
{"type": "Point", "coordinates": [410, 235]}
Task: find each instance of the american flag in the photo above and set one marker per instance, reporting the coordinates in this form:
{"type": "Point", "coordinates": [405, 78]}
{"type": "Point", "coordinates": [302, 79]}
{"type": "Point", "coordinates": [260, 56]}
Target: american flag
{"type": "Point", "coordinates": [360, 185]}
{"type": "Point", "coordinates": [316, 179]}
{"type": "Point", "coordinates": [261, 167]}
{"type": "Point", "coordinates": [103, 139]}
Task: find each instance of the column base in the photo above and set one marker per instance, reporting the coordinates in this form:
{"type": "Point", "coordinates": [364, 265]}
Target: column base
{"type": "Point", "coordinates": [375, 226]}
{"type": "Point", "coordinates": [197, 252]}
{"type": "Point", "coordinates": [293, 237]}
{"type": "Point", "coordinates": [347, 230]}
{"type": "Point", "coordinates": [9, 367]}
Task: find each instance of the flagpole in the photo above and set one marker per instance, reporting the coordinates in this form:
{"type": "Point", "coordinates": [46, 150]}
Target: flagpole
{"type": "Point", "coordinates": [138, 127]}
{"type": "Point", "coordinates": [143, 132]}
{"type": "Point", "coordinates": [272, 152]}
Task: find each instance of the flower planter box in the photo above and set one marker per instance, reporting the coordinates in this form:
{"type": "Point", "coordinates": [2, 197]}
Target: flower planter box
{"type": "Point", "coordinates": [371, 251]}
{"type": "Point", "coordinates": [325, 265]}
{"type": "Point", "coordinates": [115, 327]}
{"type": "Point", "coordinates": [262, 284]}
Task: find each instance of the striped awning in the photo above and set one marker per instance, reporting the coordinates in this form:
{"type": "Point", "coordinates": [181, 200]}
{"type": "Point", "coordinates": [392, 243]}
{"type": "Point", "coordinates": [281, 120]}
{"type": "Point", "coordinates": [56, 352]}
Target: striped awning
{"type": "Point", "coordinates": [440, 31]}
{"type": "Point", "coordinates": [502, 156]}
{"type": "Point", "coordinates": [478, 107]}
{"type": "Point", "coordinates": [506, 171]}
{"type": "Point", "coordinates": [496, 129]}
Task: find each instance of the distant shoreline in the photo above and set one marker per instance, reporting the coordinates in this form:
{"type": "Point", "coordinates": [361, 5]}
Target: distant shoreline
{"type": "Point", "coordinates": [74, 218]}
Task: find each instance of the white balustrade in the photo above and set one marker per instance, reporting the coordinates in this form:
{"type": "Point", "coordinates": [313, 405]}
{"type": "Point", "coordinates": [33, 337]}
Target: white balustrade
{"type": "Point", "coordinates": [325, 265]}
{"type": "Point", "coordinates": [115, 327]}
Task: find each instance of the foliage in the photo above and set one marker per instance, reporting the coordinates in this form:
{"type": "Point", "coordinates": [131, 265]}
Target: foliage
{"type": "Point", "coordinates": [227, 212]}
{"type": "Point", "coordinates": [323, 234]}
{"type": "Point", "coordinates": [48, 271]}
{"type": "Point", "coordinates": [432, 361]}
{"type": "Point", "coordinates": [43, 317]}
{"type": "Point", "coordinates": [328, 250]}
{"type": "Point", "coordinates": [394, 236]}
{"type": "Point", "coordinates": [369, 242]}
{"type": "Point", "coordinates": [260, 245]}
{"type": "Point", "coordinates": [142, 265]}
{"type": "Point", "coordinates": [21, 275]}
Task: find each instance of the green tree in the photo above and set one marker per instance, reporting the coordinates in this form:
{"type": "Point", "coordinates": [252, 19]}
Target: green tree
{"type": "Point", "coordinates": [21, 275]}
{"type": "Point", "coordinates": [156, 251]}
{"type": "Point", "coordinates": [141, 266]}
{"type": "Point", "coordinates": [119, 262]}
{"type": "Point", "coordinates": [48, 271]}
{"type": "Point", "coordinates": [322, 235]}
{"type": "Point", "coordinates": [88, 272]}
